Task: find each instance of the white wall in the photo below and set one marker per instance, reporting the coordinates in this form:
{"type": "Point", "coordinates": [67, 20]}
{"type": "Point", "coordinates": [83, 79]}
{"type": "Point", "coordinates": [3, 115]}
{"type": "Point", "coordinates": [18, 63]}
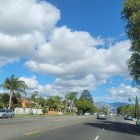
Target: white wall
{"type": "Point", "coordinates": [28, 111]}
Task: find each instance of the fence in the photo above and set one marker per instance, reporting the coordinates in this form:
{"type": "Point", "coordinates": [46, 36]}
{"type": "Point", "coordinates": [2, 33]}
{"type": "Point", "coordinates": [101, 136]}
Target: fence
{"type": "Point", "coordinates": [28, 111]}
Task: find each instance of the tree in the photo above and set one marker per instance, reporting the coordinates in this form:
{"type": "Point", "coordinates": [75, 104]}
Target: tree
{"type": "Point", "coordinates": [131, 14]}
{"type": "Point", "coordinates": [85, 105]}
{"type": "Point", "coordinates": [33, 96]}
{"type": "Point", "coordinates": [134, 68]}
{"type": "Point", "coordinates": [129, 100]}
{"type": "Point", "coordinates": [136, 107]}
{"type": "Point", "coordinates": [14, 84]}
{"type": "Point", "coordinates": [55, 103]}
{"type": "Point", "coordinates": [86, 95]}
{"type": "Point", "coordinates": [71, 96]}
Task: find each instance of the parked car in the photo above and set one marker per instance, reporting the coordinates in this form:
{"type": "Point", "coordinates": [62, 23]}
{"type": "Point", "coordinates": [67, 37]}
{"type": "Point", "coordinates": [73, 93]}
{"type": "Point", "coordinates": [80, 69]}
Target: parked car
{"type": "Point", "coordinates": [125, 116]}
{"type": "Point", "coordinates": [87, 114]}
{"type": "Point", "coordinates": [79, 113]}
{"type": "Point", "coordinates": [6, 113]}
{"type": "Point", "coordinates": [101, 115]}
{"type": "Point", "coordinates": [138, 122]}
{"type": "Point", "coordinates": [128, 117]}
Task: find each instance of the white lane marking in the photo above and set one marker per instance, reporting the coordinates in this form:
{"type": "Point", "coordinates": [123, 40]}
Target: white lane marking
{"type": "Point", "coordinates": [96, 138]}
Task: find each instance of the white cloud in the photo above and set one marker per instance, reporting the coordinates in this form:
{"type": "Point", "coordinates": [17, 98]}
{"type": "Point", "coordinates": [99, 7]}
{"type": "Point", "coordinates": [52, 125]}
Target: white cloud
{"type": "Point", "coordinates": [45, 90]}
{"type": "Point", "coordinates": [123, 92]}
{"type": "Point", "coordinates": [23, 25]}
{"type": "Point", "coordinates": [27, 16]}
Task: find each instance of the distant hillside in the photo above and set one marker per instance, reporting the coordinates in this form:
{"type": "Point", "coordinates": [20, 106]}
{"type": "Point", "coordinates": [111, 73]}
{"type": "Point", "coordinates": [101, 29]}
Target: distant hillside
{"type": "Point", "coordinates": [110, 105]}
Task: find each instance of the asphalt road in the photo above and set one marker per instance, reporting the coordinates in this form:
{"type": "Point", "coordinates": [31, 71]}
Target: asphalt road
{"type": "Point", "coordinates": [68, 128]}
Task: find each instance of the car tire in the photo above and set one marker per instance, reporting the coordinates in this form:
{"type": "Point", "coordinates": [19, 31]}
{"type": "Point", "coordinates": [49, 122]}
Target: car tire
{"type": "Point", "coordinates": [12, 116]}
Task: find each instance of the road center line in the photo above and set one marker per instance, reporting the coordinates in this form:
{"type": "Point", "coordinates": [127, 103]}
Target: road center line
{"type": "Point", "coordinates": [96, 138]}
{"type": "Point", "coordinates": [61, 126]}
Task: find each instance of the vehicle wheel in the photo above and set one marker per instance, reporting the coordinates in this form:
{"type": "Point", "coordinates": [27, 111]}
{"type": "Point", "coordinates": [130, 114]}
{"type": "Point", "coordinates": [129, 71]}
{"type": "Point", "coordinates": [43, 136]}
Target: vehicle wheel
{"type": "Point", "coordinates": [3, 116]}
{"type": "Point", "coordinates": [12, 116]}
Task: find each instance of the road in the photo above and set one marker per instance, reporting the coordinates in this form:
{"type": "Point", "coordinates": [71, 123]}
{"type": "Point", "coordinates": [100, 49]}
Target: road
{"type": "Point", "coordinates": [68, 128]}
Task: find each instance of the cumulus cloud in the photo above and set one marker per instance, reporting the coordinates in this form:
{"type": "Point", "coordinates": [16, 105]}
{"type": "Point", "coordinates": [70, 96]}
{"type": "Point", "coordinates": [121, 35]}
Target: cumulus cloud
{"type": "Point", "coordinates": [27, 16]}
{"type": "Point", "coordinates": [123, 92]}
{"type": "Point", "coordinates": [78, 57]}
{"type": "Point", "coordinates": [45, 90]}
{"type": "Point", "coordinates": [23, 25]}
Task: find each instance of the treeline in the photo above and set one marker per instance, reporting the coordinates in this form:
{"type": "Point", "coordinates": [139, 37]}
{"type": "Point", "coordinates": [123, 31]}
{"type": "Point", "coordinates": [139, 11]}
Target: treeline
{"type": "Point", "coordinates": [71, 103]}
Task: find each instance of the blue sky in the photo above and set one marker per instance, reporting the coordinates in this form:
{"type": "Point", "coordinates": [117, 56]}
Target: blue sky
{"type": "Point", "coordinates": [58, 46]}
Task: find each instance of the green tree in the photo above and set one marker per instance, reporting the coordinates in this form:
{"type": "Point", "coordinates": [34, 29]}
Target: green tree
{"type": "Point", "coordinates": [84, 105]}
{"type": "Point", "coordinates": [71, 96]}
{"type": "Point", "coordinates": [33, 96]}
{"type": "Point", "coordinates": [41, 102]}
{"type": "Point", "coordinates": [129, 100]}
{"type": "Point", "coordinates": [55, 102]}
{"type": "Point", "coordinates": [131, 14]}
{"type": "Point", "coordinates": [14, 84]}
{"type": "Point", "coordinates": [86, 95]}
{"type": "Point", "coordinates": [136, 107]}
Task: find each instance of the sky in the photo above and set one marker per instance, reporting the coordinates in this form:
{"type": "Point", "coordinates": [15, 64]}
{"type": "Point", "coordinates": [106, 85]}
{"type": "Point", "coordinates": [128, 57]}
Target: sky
{"type": "Point", "coordinates": [59, 46]}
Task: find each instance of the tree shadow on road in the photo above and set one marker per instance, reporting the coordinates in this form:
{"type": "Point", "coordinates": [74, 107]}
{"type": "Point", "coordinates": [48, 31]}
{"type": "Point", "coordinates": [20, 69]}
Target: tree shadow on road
{"type": "Point", "coordinates": [122, 127]}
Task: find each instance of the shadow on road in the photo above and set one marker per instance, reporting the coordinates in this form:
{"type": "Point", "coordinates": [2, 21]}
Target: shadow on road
{"type": "Point", "coordinates": [122, 127]}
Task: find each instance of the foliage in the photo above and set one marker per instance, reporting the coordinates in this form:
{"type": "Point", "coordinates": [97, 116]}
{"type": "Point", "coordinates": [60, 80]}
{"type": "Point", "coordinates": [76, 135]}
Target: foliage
{"type": "Point", "coordinates": [41, 102]}
{"type": "Point", "coordinates": [33, 96]}
{"type": "Point", "coordinates": [131, 14]}
{"type": "Point", "coordinates": [54, 102]}
{"type": "Point", "coordinates": [134, 68]}
{"type": "Point", "coordinates": [71, 96]}
{"type": "Point", "coordinates": [126, 109]}
{"type": "Point", "coordinates": [136, 107]}
{"type": "Point", "coordinates": [87, 96]}
{"type": "Point", "coordinates": [14, 84]}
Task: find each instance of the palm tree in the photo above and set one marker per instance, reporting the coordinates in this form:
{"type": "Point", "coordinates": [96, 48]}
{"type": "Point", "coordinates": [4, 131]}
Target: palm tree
{"type": "Point", "coordinates": [14, 84]}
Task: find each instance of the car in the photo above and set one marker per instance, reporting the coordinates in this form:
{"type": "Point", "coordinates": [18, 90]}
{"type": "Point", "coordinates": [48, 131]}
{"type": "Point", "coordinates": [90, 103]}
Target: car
{"type": "Point", "coordinates": [79, 113]}
{"type": "Point", "coordinates": [125, 116]}
{"type": "Point", "coordinates": [87, 114]}
{"type": "Point", "coordinates": [138, 122]}
{"type": "Point", "coordinates": [6, 113]}
{"type": "Point", "coordinates": [128, 117]}
{"type": "Point", "coordinates": [101, 115]}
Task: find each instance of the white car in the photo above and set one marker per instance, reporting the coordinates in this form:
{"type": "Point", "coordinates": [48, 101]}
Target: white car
{"type": "Point", "coordinates": [138, 122]}
{"type": "Point", "coordinates": [101, 115]}
{"type": "Point", "coordinates": [87, 114]}
{"type": "Point", "coordinates": [6, 113]}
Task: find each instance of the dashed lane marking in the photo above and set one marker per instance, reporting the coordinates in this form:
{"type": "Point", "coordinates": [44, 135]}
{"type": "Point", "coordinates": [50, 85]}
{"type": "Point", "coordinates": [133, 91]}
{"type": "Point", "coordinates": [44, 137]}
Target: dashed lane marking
{"type": "Point", "coordinates": [96, 138]}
